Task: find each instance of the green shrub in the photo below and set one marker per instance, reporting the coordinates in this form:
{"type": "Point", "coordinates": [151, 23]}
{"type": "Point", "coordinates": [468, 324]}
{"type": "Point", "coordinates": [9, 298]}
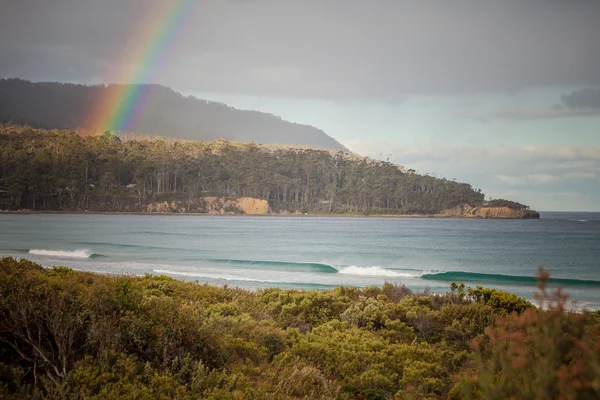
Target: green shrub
{"type": "Point", "coordinates": [499, 299]}
{"type": "Point", "coordinates": [70, 334]}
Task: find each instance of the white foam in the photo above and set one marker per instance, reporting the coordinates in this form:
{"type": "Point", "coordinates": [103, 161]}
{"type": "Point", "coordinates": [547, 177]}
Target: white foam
{"type": "Point", "coordinates": [376, 271]}
{"type": "Point", "coordinates": [62, 253]}
{"type": "Point", "coordinates": [212, 276]}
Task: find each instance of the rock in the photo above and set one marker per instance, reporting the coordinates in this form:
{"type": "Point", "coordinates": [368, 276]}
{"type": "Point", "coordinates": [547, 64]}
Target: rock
{"type": "Point", "coordinates": [458, 211]}
{"type": "Point", "coordinates": [213, 206]}
{"type": "Point", "coordinates": [467, 211]}
{"type": "Point", "coordinates": [252, 206]}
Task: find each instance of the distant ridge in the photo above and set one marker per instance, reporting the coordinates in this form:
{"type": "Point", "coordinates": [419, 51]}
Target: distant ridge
{"type": "Point", "coordinates": [50, 105]}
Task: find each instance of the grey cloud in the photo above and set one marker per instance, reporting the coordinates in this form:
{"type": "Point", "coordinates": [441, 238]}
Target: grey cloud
{"type": "Point", "coordinates": [583, 99]}
{"type": "Point", "coordinates": [484, 119]}
{"type": "Point", "coordinates": [527, 179]}
{"type": "Point", "coordinates": [579, 103]}
{"type": "Point", "coordinates": [531, 113]}
{"type": "Point", "coordinates": [339, 49]}
{"type": "Point", "coordinates": [529, 171]}
{"type": "Point", "coordinates": [565, 165]}
{"type": "Point", "coordinates": [534, 179]}
{"type": "Point", "coordinates": [513, 160]}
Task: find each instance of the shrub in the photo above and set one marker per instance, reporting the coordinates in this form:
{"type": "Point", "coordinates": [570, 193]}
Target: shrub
{"type": "Point", "coordinates": [70, 334]}
{"type": "Point", "coordinates": [547, 353]}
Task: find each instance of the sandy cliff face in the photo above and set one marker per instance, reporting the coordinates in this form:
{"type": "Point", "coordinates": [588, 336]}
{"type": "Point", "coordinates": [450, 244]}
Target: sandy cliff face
{"type": "Point", "coordinates": [458, 211]}
{"type": "Point", "coordinates": [213, 205]}
{"type": "Point", "coordinates": [489, 212]}
{"type": "Point", "coordinates": [252, 206]}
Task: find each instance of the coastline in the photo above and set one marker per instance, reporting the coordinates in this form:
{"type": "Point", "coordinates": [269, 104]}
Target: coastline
{"type": "Point", "coordinates": [322, 215]}
{"type": "Point", "coordinates": [572, 306]}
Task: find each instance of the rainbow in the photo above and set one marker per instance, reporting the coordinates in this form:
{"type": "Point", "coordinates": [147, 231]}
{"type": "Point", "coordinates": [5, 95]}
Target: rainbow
{"type": "Point", "coordinates": [120, 104]}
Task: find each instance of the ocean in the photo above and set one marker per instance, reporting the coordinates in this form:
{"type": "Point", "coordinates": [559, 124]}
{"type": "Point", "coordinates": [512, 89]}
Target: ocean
{"type": "Point", "coordinates": [320, 252]}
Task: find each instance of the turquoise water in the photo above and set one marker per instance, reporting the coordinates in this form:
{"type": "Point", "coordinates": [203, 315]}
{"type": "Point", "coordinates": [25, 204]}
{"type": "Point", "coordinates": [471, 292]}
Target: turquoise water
{"type": "Point", "coordinates": [316, 253]}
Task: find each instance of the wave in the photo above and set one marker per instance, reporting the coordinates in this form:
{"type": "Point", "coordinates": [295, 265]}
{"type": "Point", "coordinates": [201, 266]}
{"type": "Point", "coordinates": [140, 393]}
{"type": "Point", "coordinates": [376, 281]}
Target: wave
{"type": "Point", "coordinates": [451, 276]}
{"type": "Point", "coordinates": [160, 233]}
{"type": "Point", "coordinates": [239, 278]}
{"type": "Point", "coordinates": [317, 267]}
{"type": "Point", "coordinates": [376, 271]}
{"type": "Point", "coordinates": [125, 245]}
{"type": "Point", "coordinates": [65, 253]}
{"type": "Point", "coordinates": [209, 276]}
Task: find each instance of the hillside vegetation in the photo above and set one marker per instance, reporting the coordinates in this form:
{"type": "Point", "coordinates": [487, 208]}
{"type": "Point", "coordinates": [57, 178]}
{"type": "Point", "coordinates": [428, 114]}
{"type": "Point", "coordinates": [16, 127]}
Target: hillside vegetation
{"type": "Point", "coordinates": [51, 105]}
{"type": "Point", "coordinates": [62, 170]}
{"type": "Point", "coordinates": [78, 335]}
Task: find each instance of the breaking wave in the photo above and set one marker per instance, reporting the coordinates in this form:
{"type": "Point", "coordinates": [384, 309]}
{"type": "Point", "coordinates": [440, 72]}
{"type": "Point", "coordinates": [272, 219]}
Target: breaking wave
{"type": "Point", "coordinates": [209, 275]}
{"type": "Point", "coordinates": [317, 267]}
{"type": "Point", "coordinates": [376, 271]}
{"type": "Point", "coordinates": [506, 279]}
{"type": "Point", "coordinates": [65, 253]}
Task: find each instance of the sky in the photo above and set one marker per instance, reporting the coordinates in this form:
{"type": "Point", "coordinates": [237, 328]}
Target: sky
{"type": "Point", "coordinates": [504, 94]}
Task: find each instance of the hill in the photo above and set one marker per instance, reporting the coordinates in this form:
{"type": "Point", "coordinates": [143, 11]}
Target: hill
{"type": "Point", "coordinates": [63, 170]}
{"type": "Point", "coordinates": [51, 105]}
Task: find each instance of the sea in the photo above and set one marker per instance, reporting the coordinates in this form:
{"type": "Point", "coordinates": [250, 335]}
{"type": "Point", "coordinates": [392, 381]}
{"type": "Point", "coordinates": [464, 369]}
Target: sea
{"type": "Point", "coordinates": [317, 253]}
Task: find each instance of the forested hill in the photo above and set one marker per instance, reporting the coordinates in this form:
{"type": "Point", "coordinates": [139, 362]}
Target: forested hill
{"type": "Point", "coordinates": [165, 112]}
{"type": "Point", "coordinates": [62, 170]}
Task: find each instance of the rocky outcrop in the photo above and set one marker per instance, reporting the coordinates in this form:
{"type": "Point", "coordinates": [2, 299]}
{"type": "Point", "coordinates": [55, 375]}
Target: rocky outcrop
{"type": "Point", "coordinates": [213, 205]}
{"type": "Point", "coordinates": [252, 206]}
{"type": "Point", "coordinates": [501, 212]}
{"type": "Point", "coordinates": [458, 211]}
{"type": "Point", "coordinates": [467, 211]}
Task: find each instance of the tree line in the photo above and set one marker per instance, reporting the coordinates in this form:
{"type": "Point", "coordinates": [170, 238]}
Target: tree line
{"type": "Point", "coordinates": [64, 170]}
{"type": "Point", "coordinates": [506, 203]}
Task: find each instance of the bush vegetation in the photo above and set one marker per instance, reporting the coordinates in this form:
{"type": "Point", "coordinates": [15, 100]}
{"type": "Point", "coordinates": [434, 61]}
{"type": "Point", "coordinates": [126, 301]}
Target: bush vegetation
{"type": "Point", "coordinates": [506, 203]}
{"type": "Point", "coordinates": [68, 334]}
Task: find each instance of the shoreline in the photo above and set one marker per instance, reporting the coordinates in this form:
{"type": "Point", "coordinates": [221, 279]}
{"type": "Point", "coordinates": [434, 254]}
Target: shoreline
{"type": "Point", "coordinates": [321, 215]}
{"type": "Point", "coordinates": [570, 305]}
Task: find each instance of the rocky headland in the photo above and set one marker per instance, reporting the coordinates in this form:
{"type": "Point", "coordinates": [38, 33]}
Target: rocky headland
{"type": "Point", "coordinates": [466, 211]}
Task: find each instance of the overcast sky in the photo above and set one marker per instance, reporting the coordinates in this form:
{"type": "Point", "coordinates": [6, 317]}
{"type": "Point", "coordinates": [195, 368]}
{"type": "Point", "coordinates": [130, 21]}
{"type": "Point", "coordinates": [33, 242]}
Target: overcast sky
{"type": "Point", "coordinates": [502, 94]}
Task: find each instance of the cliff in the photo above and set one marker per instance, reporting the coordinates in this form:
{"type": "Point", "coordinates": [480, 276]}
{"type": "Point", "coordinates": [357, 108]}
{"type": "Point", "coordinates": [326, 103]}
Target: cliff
{"type": "Point", "coordinates": [502, 212]}
{"type": "Point", "coordinates": [467, 211]}
{"type": "Point", "coordinates": [213, 205]}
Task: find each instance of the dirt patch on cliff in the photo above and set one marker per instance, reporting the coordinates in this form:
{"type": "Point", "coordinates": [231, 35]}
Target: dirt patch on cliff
{"type": "Point", "coordinates": [497, 212]}
{"type": "Point", "coordinates": [252, 206]}
{"type": "Point", "coordinates": [213, 205]}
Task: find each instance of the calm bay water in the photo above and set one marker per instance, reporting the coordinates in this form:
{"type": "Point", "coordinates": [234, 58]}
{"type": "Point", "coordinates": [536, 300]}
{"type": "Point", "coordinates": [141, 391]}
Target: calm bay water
{"type": "Point", "coordinates": [315, 253]}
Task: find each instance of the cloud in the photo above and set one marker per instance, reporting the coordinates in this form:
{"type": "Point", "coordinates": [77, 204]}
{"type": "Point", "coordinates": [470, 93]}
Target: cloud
{"type": "Point", "coordinates": [527, 179]}
{"type": "Point", "coordinates": [568, 161]}
{"type": "Point", "coordinates": [277, 74]}
{"type": "Point", "coordinates": [579, 103]}
{"type": "Point", "coordinates": [573, 153]}
{"type": "Point", "coordinates": [565, 165]}
{"type": "Point", "coordinates": [580, 175]}
{"type": "Point", "coordinates": [334, 50]}
{"type": "Point", "coordinates": [543, 178]}
{"type": "Point", "coordinates": [531, 173]}
{"type": "Point", "coordinates": [583, 99]}
{"type": "Point", "coordinates": [530, 114]}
